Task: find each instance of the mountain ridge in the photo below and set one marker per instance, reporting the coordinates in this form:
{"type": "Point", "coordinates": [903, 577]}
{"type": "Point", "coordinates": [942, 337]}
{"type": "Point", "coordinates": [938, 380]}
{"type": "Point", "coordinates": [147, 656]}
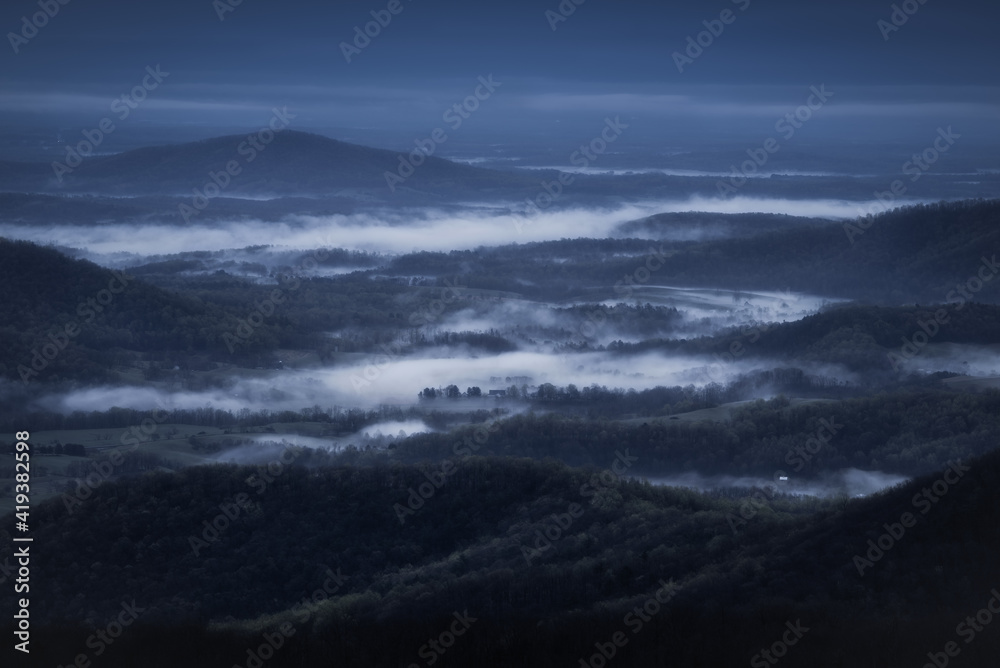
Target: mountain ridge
{"type": "Point", "coordinates": [293, 162]}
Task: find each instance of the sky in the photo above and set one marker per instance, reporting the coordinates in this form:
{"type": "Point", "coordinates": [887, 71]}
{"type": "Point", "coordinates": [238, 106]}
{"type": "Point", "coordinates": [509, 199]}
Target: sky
{"type": "Point", "coordinates": [557, 66]}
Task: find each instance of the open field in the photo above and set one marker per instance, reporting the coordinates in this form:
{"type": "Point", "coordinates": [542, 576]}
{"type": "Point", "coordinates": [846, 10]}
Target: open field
{"type": "Point", "coordinates": [720, 413]}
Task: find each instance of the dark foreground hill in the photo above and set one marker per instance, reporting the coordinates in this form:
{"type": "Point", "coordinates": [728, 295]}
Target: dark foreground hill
{"type": "Point", "coordinates": [526, 563]}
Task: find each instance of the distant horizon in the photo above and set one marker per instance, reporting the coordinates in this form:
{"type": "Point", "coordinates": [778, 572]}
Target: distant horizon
{"type": "Point", "coordinates": [679, 75]}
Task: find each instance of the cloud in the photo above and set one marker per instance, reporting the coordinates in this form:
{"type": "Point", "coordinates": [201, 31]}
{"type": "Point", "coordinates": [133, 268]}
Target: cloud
{"type": "Point", "coordinates": [845, 482]}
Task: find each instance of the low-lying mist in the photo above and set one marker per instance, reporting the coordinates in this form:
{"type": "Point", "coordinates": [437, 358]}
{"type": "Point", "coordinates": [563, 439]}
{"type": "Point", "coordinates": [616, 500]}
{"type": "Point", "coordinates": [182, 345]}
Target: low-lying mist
{"type": "Point", "coordinates": [707, 310]}
{"type": "Point", "coordinates": [966, 359]}
{"type": "Point", "coordinates": [263, 448]}
{"type": "Point", "coordinates": [371, 381]}
{"type": "Point", "coordinates": [685, 313]}
{"type": "Point", "coordinates": [846, 482]}
{"type": "Point", "coordinates": [396, 232]}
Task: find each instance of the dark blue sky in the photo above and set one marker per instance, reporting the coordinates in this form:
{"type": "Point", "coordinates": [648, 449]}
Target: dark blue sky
{"type": "Point", "coordinates": [606, 58]}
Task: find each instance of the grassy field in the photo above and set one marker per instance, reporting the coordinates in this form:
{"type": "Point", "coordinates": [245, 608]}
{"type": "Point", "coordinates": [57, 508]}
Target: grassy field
{"type": "Point", "coordinates": [720, 413]}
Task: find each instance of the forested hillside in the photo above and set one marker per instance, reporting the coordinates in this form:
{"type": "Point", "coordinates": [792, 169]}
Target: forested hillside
{"type": "Point", "coordinates": [477, 545]}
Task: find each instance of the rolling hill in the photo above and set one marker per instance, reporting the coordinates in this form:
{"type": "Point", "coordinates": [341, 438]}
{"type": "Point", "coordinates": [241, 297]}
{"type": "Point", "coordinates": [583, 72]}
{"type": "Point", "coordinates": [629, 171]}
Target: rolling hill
{"type": "Point", "coordinates": [72, 319]}
{"type": "Point", "coordinates": [293, 164]}
{"type": "Point", "coordinates": [545, 572]}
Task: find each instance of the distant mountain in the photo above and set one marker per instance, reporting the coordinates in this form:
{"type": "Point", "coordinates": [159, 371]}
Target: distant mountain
{"type": "Point", "coordinates": [40, 209]}
{"type": "Point", "coordinates": [297, 163]}
{"type": "Point", "coordinates": [293, 163]}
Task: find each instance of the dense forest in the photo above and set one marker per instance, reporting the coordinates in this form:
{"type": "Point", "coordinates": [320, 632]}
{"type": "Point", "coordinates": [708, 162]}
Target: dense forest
{"type": "Point", "coordinates": [500, 335]}
{"type": "Point", "coordinates": [546, 565]}
{"type": "Point", "coordinates": [539, 515]}
{"type": "Point", "coordinates": [911, 432]}
{"type": "Point", "coordinates": [917, 253]}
